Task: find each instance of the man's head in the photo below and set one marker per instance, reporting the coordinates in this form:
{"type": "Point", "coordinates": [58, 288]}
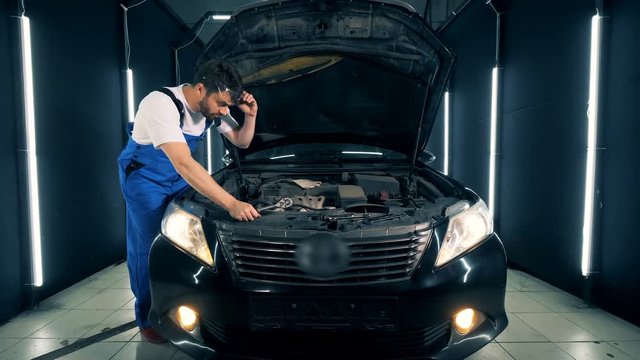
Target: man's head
{"type": "Point", "coordinates": [220, 86]}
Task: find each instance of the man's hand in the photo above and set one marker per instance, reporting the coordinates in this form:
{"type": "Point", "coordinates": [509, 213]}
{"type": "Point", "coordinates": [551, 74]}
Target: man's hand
{"type": "Point", "coordinates": [243, 211]}
{"type": "Point", "coordinates": [247, 104]}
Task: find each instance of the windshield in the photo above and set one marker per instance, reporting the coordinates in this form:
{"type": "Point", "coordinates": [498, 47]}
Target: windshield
{"type": "Point", "coordinates": [319, 151]}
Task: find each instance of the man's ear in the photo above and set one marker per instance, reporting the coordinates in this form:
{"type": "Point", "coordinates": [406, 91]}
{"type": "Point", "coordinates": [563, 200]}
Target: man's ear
{"type": "Point", "coordinates": [201, 89]}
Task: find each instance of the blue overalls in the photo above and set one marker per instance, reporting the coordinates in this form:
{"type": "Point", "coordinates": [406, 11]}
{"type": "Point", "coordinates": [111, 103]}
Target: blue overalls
{"type": "Point", "coordinates": [149, 182]}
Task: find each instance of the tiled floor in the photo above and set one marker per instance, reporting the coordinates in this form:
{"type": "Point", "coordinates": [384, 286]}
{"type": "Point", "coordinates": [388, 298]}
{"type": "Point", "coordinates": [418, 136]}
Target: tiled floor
{"type": "Point", "coordinates": [544, 323]}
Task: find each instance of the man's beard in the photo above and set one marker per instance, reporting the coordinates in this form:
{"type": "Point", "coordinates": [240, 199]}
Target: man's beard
{"type": "Point", "coordinates": [205, 111]}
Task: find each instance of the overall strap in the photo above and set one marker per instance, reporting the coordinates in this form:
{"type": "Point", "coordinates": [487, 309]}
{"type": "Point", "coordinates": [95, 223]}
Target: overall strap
{"type": "Point", "coordinates": [177, 102]}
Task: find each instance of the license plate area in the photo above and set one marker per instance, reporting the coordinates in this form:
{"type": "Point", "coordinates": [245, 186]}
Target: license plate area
{"type": "Point", "coordinates": [323, 313]}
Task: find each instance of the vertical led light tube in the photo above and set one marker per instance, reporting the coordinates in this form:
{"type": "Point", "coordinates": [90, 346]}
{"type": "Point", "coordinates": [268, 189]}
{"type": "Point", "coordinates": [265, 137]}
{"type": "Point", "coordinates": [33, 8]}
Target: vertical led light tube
{"type": "Point", "coordinates": [494, 140]}
{"type": "Point", "coordinates": [131, 112]}
{"type": "Point", "coordinates": [209, 153]}
{"type": "Point", "coordinates": [592, 114]}
{"type": "Point", "coordinates": [32, 161]}
{"type": "Point", "coordinates": [446, 132]}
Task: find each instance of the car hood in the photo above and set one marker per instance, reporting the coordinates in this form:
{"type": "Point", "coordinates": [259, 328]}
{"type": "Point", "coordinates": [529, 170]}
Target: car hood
{"type": "Point", "coordinates": [352, 71]}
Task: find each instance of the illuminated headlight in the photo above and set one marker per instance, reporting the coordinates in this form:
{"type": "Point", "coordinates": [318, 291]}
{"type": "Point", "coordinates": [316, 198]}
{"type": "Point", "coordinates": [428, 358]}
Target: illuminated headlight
{"type": "Point", "coordinates": [466, 229]}
{"type": "Point", "coordinates": [185, 231]}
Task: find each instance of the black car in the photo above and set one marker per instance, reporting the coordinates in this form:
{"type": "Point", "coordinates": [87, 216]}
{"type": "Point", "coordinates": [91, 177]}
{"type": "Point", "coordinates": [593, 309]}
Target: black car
{"type": "Point", "coordinates": [362, 250]}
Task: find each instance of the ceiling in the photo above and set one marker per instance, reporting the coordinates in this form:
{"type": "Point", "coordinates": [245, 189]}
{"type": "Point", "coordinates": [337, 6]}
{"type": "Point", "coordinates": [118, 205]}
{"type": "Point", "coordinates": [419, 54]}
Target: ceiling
{"type": "Point", "coordinates": [191, 11]}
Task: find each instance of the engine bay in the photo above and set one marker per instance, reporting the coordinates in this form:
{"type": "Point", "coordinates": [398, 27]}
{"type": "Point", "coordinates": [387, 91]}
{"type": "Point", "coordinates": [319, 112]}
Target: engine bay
{"type": "Point", "coordinates": [362, 198]}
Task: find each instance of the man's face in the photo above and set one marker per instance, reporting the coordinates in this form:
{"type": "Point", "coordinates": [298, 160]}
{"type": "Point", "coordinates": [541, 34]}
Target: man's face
{"type": "Point", "coordinates": [216, 104]}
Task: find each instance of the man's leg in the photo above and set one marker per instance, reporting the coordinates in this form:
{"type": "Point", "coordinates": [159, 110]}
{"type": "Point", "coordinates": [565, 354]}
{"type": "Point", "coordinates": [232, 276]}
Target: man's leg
{"type": "Point", "coordinates": [146, 203]}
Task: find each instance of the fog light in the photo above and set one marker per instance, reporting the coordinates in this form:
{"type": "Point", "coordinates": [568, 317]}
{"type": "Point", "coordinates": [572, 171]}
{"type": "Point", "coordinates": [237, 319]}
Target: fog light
{"type": "Point", "coordinates": [464, 321]}
{"type": "Point", "coordinates": [187, 318]}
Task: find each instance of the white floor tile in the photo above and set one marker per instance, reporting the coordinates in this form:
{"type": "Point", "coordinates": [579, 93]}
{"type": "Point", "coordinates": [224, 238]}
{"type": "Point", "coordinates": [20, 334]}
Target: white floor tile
{"type": "Point", "coordinates": [593, 350]}
{"type": "Point", "coordinates": [605, 325]}
{"type": "Point", "coordinates": [519, 331]}
{"type": "Point", "coordinates": [556, 328]}
{"type": "Point", "coordinates": [180, 355]}
{"type": "Point", "coordinates": [131, 305]}
{"type": "Point", "coordinates": [73, 324]}
{"type": "Point", "coordinates": [536, 351]}
{"type": "Point", "coordinates": [525, 282]}
{"type": "Point", "coordinates": [30, 348]}
{"type": "Point", "coordinates": [7, 343]}
{"type": "Point", "coordinates": [108, 299]}
{"type": "Point", "coordinates": [122, 284]}
{"type": "Point", "coordinates": [491, 351]}
{"type": "Point", "coordinates": [116, 319]}
{"type": "Point", "coordinates": [101, 283]}
{"type": "Point", "coordinates": [109, 274]}
{"type": "Point", "coordinates": [29, 322]}
{"type": "Point", "coordinates": [97, 351]}
{"type": "Point", "coordinates": [560, 301]}
{"type": "Point", "coordinates": [145, 351]}
{"type": "Point", "coordinates": [520, 302]}
{"type": "Point", "coordinates": [122, 267]}
{"type": "Point", "coordinates": [511, 288]}
{"type": "Point", "coordinates": [631, 348]}
{"type": "Point", "coordinates": [69, 298]}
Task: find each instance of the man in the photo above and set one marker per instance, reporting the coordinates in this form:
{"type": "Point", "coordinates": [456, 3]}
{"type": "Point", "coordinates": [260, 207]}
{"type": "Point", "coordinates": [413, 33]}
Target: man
{"type": "Point", "coordinates": [157, 162]}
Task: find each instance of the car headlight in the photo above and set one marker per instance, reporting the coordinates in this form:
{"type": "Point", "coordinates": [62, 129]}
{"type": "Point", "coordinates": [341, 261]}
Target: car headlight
{"type": "Point", "coordinates": [185, 231]}
{"type": "Point", "coordinates": [466, 229]}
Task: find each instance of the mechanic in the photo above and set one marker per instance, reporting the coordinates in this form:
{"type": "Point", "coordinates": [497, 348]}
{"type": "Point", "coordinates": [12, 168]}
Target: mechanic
{"type": "Point", "coordinates": [157, 162]}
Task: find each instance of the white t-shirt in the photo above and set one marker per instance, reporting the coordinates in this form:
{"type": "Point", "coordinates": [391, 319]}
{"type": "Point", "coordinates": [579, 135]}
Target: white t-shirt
{"type": "Point", "coordinates": [158, 121]}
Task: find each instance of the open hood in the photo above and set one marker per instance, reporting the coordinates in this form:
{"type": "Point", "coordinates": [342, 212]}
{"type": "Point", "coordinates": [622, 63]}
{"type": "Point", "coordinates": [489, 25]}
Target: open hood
{"type": "Point", "coordinates": [327, 71]}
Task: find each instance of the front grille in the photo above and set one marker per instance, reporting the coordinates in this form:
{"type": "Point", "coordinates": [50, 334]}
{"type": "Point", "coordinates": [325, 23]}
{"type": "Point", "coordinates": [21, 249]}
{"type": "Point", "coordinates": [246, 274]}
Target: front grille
{"type": "Point", "coordinates": [375, 255]}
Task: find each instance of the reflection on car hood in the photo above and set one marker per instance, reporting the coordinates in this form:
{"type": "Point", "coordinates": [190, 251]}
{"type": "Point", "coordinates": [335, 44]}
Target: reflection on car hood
{"type": "Point", "coordinates": [362, 72]}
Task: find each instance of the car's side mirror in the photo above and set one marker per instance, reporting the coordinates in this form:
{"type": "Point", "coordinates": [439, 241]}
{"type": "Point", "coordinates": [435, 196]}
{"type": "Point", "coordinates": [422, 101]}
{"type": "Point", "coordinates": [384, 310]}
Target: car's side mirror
{"type": "Point", "coordinates": [427, 157]}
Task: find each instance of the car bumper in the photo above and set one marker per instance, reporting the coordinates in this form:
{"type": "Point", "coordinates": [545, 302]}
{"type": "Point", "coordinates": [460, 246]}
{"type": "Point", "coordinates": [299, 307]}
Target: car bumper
{"type": "Point", "coordinates": [407, 319]}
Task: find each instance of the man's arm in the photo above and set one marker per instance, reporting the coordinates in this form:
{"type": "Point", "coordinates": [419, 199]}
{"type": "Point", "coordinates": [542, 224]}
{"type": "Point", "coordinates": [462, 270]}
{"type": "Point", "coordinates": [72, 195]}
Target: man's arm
{"type": "Point", "coordinates": [241, 137]}
{"type": "Point", "coordinates": [199, 179]}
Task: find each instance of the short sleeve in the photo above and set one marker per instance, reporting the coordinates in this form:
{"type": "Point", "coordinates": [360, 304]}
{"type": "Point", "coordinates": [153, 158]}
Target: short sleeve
{"type": "Point", "coordinates": [159, 120]}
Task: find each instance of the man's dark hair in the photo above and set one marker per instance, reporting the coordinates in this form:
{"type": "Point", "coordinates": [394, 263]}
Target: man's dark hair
{"type": "Point", "coordinates": [218, 75]}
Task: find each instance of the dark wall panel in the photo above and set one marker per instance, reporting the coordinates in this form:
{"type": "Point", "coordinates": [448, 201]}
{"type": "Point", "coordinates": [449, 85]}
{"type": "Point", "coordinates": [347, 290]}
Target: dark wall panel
{"type": "Point", "coordinates": [153, 31]}
{"type": "Point", "coordinates": [77, 78]}
{"type": "Point", "coordinates": [472, 39]}
{"type": "Point", "coordinates": [546, 67]}
{"type": "Point", "coordinates": [617, 289]}
{"type": "Point", "coordinates": [10, 241]}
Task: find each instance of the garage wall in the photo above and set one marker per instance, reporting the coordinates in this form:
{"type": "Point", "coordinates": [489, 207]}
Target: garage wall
{"type": "Point", "coordinates": [543, 138]}
{"type": "Point", "coordinates": [11, 239]}
{"type": "Point", "coordinates": [77, 78]}
{"type": "Point", "coordinates": [543, 135]}
{"type": "Point", "coordinates": [153, 31]}
{"type": "Point", "coordinates": [472, 39]}
{"type": "Point", "coordinates": [78, 59]}
{"type": "Point", "coordinates": [617, 285]}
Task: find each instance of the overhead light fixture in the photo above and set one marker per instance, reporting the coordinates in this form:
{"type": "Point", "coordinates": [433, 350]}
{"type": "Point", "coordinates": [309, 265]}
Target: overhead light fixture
{"type": "Point", "coordinates": [32, 161]}
{"type": "Point", "coordinates": [494, 140]}
{"type": "Point", "coordinates": [592, 114]}
{"type": "Point", "coordinates": [446, 133]}
{"type": "Point", "coordinates": [220, 17]}
{"type": "Point", "coordinates": [130, 107]}
{"type": "Point", "coordinates": [363, 153]}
